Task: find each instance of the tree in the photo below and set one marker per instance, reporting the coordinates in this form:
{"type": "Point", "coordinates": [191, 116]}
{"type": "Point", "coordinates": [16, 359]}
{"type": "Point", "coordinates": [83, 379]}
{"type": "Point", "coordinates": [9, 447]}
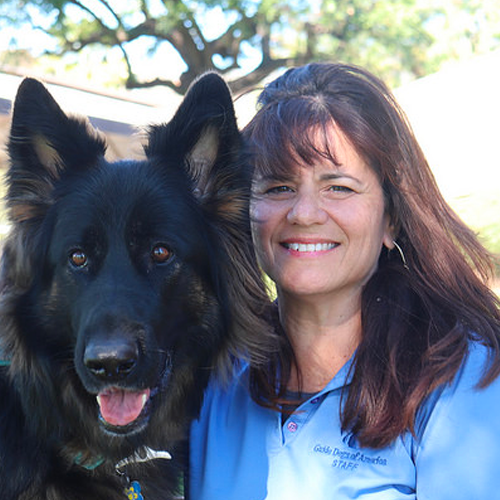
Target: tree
{"type": "Point", "coordinates": [392, 37]}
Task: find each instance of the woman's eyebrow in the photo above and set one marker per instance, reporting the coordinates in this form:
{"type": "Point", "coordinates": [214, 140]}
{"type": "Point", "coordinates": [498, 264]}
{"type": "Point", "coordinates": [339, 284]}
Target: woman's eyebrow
{"type": "Point", "coordinates": [333, 176]}
{"type": "Point", "coordinates": [274, 178]}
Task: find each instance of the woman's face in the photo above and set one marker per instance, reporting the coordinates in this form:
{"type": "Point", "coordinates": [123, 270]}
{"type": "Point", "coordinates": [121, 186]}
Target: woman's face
{"type": "Point", "coordinates": [321, 229]}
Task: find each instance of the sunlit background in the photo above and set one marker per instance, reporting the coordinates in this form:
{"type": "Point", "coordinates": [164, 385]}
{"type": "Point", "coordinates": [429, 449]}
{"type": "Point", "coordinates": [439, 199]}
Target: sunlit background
{"type": "Point", "coordinates": [126, 63]}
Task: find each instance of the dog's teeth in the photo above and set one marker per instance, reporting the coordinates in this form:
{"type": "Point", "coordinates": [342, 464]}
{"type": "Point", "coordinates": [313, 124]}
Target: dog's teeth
{"type": "Point", "coordinates": [144, 399]}
{"type": "Point", "coordinates": [99, 400]}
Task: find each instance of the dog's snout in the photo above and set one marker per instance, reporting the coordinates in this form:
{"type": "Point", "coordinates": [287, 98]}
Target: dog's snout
{"type": "Point", "coordinates": [111, 359]}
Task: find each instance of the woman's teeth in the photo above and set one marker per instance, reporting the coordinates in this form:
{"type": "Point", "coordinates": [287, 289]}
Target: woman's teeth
{"type": "Point", "coordinates": [309, 247]}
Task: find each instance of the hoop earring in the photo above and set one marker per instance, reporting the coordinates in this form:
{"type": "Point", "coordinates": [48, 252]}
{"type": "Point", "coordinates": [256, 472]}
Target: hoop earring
{"type": "Point", "coordinates": [402, 255]}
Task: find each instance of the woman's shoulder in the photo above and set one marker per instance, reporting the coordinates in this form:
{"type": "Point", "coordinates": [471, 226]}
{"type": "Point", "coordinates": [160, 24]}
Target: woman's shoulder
{"type": "Point", "coordinates": [468, 381]}
{"type": "Point", "coordinates": [464, 392]}
{"type": "Point", "coordinates": [223, 390]}
{"type": "Point", "coordinates": [236, 375]}
{"type": "Point", "coordinates": [457, 442]}
{"type": "Point", "coordinates": [476, 364]}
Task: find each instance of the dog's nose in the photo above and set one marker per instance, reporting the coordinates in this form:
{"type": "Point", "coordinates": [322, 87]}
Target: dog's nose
{"type": "Point", "coordinates": [111, 359]}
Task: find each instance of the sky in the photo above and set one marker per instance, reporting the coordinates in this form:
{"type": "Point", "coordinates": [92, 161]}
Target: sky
{"type": "Point", "coordinates": [213, 23]}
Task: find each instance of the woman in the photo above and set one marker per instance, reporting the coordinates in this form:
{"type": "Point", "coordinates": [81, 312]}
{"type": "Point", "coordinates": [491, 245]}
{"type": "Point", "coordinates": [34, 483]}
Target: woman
{"type": "Point", "coordinates": [386, 383]}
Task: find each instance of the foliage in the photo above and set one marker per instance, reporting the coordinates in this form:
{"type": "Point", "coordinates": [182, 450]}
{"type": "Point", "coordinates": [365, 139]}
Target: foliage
{"type": "Point", "coordinates": [249, 39]}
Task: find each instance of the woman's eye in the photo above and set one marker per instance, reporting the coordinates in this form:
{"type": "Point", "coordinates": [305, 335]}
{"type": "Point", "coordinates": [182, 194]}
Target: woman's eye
{"type": "Point", "coordinates": [340, 189]}
{"type": "Point", "coordinates": [278, 189]}
{"type": "Point", "coordinates": [78, 258]}
{"type": "Point", "coordinates": [160, 254]}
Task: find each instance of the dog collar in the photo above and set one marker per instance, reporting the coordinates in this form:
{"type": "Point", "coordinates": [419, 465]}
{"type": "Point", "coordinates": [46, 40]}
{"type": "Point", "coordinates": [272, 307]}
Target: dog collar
{"type": "Point", "coordinates": [89, 466]}
{"type": "Point", "coordinates": [133, 488]}
{"type": "Point", "coordinates": [145, 455]}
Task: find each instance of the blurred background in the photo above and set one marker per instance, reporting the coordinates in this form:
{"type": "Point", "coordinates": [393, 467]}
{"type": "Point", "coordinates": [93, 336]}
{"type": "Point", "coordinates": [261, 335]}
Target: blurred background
{"type": "Point", "coordinates": [126, 63]}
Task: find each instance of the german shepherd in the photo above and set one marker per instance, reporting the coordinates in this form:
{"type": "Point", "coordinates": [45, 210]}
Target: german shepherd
{"type": "Point", "coordinates": [124, 286]}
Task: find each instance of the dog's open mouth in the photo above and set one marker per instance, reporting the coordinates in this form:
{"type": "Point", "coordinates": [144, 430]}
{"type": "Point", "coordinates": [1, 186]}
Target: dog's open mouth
{"type": "Point", "coordinates": [126, 410]}
{"type": "Point", "coordinates": [121, 407]}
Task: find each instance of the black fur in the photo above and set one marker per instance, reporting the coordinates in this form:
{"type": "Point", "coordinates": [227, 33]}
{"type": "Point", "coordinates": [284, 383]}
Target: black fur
{"type": "Point", "coordinates": [119, 275]}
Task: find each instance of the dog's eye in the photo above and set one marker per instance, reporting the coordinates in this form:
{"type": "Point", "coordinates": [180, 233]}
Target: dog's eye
{"type": "Point", "coordinates": [160, 254]}
{"type": "Point", "coordinates": [78, 258]}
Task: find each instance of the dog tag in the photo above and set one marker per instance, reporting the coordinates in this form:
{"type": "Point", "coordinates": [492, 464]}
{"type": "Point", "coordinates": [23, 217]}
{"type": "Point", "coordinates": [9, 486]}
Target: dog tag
{"type": "Point", "coordinates": [134, 491]}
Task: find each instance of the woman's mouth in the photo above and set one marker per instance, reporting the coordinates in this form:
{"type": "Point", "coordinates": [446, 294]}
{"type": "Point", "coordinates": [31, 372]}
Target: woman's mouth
{"type": "Point", "coordinates": [309, 247]}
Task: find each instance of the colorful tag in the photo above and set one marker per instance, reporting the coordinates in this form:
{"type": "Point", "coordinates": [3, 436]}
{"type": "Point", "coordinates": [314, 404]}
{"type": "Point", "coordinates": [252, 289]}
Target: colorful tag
{"type": "Point", "coordinates": [133, 492]}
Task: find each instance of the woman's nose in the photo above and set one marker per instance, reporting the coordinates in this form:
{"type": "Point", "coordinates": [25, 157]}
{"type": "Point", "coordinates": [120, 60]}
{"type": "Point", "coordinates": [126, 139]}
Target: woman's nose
{"type": "Point", "coordinates": [307, 210]}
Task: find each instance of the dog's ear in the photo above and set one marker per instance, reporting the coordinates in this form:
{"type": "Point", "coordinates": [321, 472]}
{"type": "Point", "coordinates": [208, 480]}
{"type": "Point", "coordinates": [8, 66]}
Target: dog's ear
{"type": "Point", "coordinates": [203, 138]}
{"type": "Point", "coordinates": [43, 143]}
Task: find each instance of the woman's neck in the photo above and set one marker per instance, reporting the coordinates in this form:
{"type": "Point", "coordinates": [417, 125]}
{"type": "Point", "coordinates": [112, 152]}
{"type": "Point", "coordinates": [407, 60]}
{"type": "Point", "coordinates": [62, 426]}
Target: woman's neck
{"type": "Point", "coordinates": [324, 335]}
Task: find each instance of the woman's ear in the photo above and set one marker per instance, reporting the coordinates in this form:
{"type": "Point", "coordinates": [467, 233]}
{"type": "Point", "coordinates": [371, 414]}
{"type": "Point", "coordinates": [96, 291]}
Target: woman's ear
{"type": "Point", "coordinates": [388, 241]}
{"type": "Point", "coordinates": [390, 234]}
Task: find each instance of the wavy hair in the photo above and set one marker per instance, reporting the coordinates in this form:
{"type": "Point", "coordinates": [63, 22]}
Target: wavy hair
{"type": "Point", "coordinates": [418, 315]}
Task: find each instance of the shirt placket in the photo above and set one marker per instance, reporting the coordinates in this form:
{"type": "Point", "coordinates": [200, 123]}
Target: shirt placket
{"type": "Point", "coordinates": [297, 421]}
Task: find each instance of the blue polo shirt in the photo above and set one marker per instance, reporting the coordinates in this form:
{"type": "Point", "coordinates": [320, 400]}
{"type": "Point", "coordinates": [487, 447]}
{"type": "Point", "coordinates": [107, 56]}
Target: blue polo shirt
{"type": "Point", "coordinates": [241, 451]}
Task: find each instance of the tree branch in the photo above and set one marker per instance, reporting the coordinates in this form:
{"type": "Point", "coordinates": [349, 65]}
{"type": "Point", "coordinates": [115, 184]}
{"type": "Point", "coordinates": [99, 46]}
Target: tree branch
{"type": "Point", "coordinates": [112, 12]}
{"type": "Point", "coordinates": [134, 84]}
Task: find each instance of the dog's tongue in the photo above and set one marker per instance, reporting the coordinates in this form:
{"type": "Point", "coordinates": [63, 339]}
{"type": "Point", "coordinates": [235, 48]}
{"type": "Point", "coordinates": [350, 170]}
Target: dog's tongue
{"type": "Point", "coordinates": [120, 407]}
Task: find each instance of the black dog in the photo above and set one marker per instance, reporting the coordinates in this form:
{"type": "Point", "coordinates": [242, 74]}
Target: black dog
{"type": "Point", "coordinates": [123, 286]}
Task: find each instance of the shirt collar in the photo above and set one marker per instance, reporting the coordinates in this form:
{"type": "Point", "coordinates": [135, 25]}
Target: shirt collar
{"type": "Point", "coordinates": [341, 379]}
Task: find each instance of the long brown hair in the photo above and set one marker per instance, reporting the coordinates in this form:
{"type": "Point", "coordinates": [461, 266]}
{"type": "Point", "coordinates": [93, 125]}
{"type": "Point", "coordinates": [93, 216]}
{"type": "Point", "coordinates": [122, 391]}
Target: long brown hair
{"type": "Point", "coordinates": [418, 315]}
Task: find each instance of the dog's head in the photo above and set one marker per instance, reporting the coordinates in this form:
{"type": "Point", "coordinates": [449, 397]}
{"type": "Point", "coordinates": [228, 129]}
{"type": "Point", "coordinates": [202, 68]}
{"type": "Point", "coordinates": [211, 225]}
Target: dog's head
{"type": "Point", "coordinates": [126, 283]}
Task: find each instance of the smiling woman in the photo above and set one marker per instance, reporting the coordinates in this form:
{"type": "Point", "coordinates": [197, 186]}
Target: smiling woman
{"type": "Point", "coordinates": [322, 216]}
{"type": "Point", "coordinates": [390, 336]}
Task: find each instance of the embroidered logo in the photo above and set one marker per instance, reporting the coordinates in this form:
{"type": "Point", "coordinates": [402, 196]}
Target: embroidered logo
{"type": "Point", "coordinates": [348, 460]}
